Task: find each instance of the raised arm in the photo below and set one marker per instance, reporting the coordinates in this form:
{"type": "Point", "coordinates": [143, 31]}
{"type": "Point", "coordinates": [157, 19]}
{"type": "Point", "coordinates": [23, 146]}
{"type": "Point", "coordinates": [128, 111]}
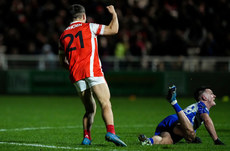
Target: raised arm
{"type": "Point", "coordinates": [113, 26]}
{"type": "Point", "coordinates": [208, 123]}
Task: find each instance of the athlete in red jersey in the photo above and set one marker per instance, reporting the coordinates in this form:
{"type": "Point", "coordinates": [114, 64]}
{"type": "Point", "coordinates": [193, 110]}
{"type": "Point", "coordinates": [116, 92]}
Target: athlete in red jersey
{"type": "Point", "coordinates": [78, 52]}
{"type": "Point", "coordinates": [80, 44]}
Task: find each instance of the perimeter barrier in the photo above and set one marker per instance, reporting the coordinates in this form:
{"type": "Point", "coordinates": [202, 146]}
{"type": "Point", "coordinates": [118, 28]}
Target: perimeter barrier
{"type": "Point", "coordinates": [126, 83]}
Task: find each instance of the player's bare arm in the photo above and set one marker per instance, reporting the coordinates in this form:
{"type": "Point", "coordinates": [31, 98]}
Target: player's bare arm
{"type": "Point", "coordinates": [208, 123]}
{"type": "Point", "coordinates": [113, 27]}
{"type": "Point", "coordinates": [211, 129]}
{"type": "Point", "coordinates": [62, 58]}
{"type": "Point", "coordinates": [63, 61]}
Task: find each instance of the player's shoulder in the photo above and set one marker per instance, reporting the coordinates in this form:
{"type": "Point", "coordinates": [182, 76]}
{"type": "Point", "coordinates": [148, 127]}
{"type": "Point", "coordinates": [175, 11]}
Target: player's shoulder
{"type": "Point", "coordinates": [95, 24]}
{"type": "Point", "coordinates": [201, 104]}
{"type": "Point", "coordinates": [202, 108]}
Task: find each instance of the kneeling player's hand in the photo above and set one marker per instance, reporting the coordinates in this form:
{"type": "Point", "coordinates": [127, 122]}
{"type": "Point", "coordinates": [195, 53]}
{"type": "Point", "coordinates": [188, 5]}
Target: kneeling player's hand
{"type": "Point", "coordinates": [218, 142]}
{"type": "Point", "coordinates": [197, 140]}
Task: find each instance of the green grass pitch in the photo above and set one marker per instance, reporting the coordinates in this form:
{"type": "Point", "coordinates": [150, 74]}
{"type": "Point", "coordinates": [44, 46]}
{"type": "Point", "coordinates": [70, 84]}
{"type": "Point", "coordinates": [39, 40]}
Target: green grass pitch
{"type": "Point", "coordinates": [51, 123]}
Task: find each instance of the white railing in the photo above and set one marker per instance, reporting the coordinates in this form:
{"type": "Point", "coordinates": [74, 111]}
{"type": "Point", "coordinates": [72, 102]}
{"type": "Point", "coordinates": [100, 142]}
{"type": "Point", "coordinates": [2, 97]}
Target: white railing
{"type": "Point", "coordinates": [40, 62]}
{"type": "Point", "coordinates": [149, 63]}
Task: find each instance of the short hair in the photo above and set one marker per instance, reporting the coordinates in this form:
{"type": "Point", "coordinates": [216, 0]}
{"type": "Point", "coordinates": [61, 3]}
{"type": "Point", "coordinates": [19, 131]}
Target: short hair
{"type": "Point", "coordinates": [76, 10]}
{"type": "Point", "coordinates": [199, 91]}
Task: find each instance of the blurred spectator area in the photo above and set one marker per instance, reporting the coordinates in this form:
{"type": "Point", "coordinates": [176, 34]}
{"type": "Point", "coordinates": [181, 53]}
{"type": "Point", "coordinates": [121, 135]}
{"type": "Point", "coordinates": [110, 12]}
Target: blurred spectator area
{"type": "Point", "coordinates": [191, 28]}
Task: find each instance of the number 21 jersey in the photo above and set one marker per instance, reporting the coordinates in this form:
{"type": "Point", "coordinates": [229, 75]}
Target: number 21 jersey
{"type": "Point", "coordinates": [79, 42]}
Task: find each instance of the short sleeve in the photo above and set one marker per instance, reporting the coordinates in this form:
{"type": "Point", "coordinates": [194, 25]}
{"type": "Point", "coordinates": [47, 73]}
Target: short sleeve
{"type": "Point", "coordinates": [202, 108]}
{"type": "Point", "coordinates": [97, 29]}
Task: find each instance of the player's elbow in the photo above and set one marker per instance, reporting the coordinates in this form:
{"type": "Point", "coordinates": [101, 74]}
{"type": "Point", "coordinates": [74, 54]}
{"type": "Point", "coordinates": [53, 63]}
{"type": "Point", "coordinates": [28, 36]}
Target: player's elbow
{"type": "Point", "coordinates": [111, 30]}
{"type": "Point", "coordinates": [114, 32]}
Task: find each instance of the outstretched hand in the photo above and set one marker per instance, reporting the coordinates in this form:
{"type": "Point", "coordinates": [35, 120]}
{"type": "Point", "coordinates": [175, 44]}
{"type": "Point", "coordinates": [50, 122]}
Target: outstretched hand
{"type": "Point", "coordinates": [218, 142]}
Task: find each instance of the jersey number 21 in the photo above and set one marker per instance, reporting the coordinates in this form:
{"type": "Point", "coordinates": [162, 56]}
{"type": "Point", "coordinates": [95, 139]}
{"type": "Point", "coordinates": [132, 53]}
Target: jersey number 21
{"type": "Point", "coordinates": [71, 36]}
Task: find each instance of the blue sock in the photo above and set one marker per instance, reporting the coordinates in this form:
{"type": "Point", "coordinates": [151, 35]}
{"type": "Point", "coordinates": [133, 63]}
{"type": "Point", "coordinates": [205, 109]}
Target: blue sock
{"type": "Point", "coordinates": [176, 106]}
{"type": "Point", "coordinates": [151, 139]}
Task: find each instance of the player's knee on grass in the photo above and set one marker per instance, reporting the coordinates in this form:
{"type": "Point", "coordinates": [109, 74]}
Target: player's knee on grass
{"type": "Point", "coordinates": [166, 138]}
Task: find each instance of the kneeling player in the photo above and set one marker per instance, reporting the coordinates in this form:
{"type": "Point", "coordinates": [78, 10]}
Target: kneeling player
{"type": "Point", "coordinates": [184, 123]}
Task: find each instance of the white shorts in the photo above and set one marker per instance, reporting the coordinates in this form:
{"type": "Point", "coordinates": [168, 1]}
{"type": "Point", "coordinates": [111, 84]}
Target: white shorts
{"type": "Point", "coordinates": [86, 83]}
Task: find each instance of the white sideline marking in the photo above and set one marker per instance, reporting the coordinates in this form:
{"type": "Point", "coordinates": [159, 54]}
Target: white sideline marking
{"type": "Point", "coordinates": [69, 127]}
{"type": "Point", "coordinates": [40, 145]}
{"type": "Point", "coordinates": [37, 128]}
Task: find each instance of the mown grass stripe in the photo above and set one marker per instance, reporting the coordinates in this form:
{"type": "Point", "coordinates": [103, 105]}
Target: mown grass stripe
{"type": "Point", "coordinates": [45, 128]}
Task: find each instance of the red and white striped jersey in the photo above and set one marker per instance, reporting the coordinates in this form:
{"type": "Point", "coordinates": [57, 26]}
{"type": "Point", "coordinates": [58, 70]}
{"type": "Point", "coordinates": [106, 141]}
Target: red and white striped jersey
{"type": "Point", "coordinates": [79, 42]}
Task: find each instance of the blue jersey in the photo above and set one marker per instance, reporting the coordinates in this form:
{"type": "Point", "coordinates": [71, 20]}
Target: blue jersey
{"type": "Point", "coordinates": [193, 113]}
